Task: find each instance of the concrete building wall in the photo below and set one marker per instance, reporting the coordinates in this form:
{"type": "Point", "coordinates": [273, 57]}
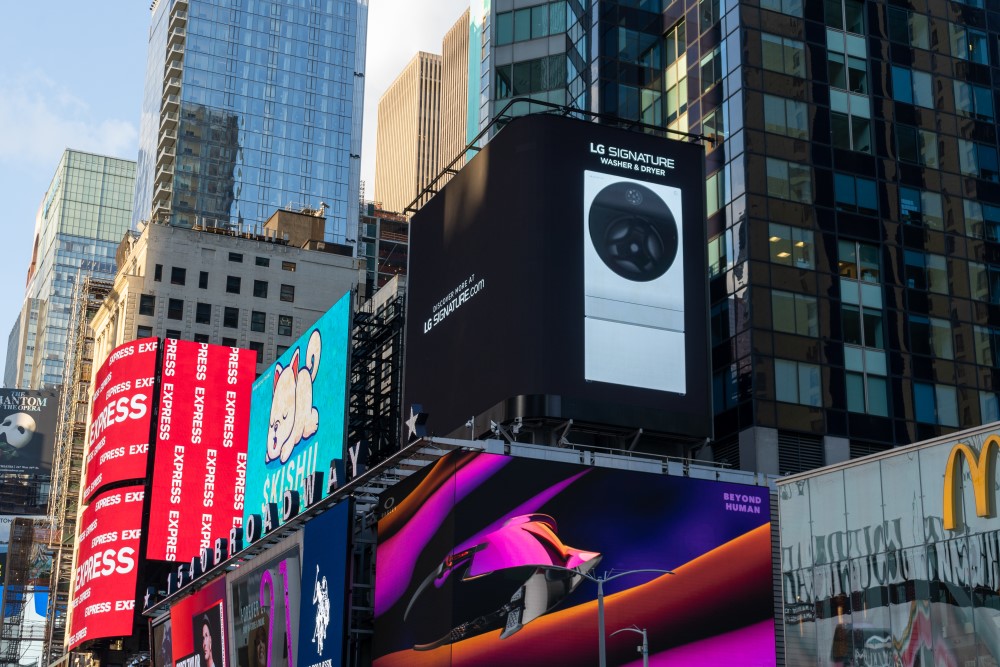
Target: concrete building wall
{"type": "Point", "coordinates": [406, 153]}
{"type": "Point", "coordinates": [454, 94]}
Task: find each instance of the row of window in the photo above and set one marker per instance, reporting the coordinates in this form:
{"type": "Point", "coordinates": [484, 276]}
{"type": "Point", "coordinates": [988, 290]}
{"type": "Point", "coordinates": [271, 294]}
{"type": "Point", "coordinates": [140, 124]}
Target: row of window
{"type": "Point", "coordinates": [530, 23]}
{"type": "Point", "coordinates": [257, 346]}
{"type": "Point", "coordinates": [530, 76]}
{"type": "Point", "coordinates": [178, 276]}
{"type": "Point", "coordinates": [203, 314]}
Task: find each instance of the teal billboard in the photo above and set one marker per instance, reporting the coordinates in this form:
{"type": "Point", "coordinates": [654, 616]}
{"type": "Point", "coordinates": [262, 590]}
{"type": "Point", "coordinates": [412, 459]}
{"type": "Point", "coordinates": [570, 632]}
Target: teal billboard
{"type": "Point", "coordinates": [298, 415]}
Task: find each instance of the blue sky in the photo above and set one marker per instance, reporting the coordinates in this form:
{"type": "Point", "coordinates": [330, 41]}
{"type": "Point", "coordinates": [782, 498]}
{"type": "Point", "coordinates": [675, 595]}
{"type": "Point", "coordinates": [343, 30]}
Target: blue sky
{"type": "Point", "coordinates": [72, 77]}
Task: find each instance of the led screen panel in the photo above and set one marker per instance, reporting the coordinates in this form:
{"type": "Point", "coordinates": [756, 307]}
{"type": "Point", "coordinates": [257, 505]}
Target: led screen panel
{"type": "Point", "coordinates": [199, 470]}
{"type": "Point", "coordinates": [104, 583]}
{"type": "Point", "coordinates": [324, 588]}
{"type": "Point", "coordinates": [562, 274]}
{"type": "Point", "coordinates": [198, 629]}
{"type": "Point", "coordinates": [120, 416]}
{"type": "Point", "coordinates": [485, 552]}
{"type": "Point", "coordinates": [27, 430]}
{"type": "Point", "coordinates": [298, 411]}
{"type": "Point", "coordinates": [263, 619]}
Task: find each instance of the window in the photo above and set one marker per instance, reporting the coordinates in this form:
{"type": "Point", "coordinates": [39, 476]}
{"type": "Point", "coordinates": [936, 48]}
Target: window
{"type": "Point", "coordinates": [783, 55]}
{"type": "Point", "coordinates": [147, 304]}
{"type": "Point", "coordinates": [787, 117]}
{"type": "Point", "coordinates": [790, 7]}
{"type": "Point", "coordinates": [916, 146]}
{"type": "Point", "coordinates": [725, 389]}
{"type": "Point", "coordinates": [989, 407]}
{"type": "Point", "coordinates": [231, 317]}
{"type": "Point", "coordinates": [847, 72]}
{"type": "Point", "coordinates": [973, 101]}
{"type": "Point", "coordinates": [858, 260]}
{"type": "Point", "coordinates": [982, 220]}
{"type": "Point", "coordinates": [143, 332]}
{"type": "Point", "coordinates": [867, 392]}
{"type": "Point", "coordinates": [855, 194]}
{"type": "Point", "coordinates": [521, 78]}
{"type": "Point", "coordinates": [288, 293]}
{"type": "Point", "coordinates": [178, 275]}
{"type": "Point", "coordinates": [257, 320]}
{"type": "Point", "coordinates": [920, 207]}
{"type": "Point", "coordinates": [263, 261]}
{"type": "Point", "coordinates": [203, 280]}
{"type": "Point", "coordinates": [257, 347]}
{"type": "Point", "coordinates": [796, 382]}
{"type": "Point", "coordinates": [173, 333]}
{"type": "Point", "coordinates": [200, 338]}
{"type": "Point", "coordinates": [280, 350]}
{"type": "Point", "coordinates": [504, 28]}
{"type": "Point", "coordinates": [791, 246]}
{"type": "Point", "coordinates": [158, 272]}
{"type": "Point", "coordinates": [862, 326]}
{"type": "Point", "coordinates": [925, 271]}
{"type": "Point", "coordinates": [912, 87]}
{"type": "Point", "coordinates": [720, 322]}
{"type": "Point", "coordinates": [906, 27]}
{"type": "Point", "coordinates": [203, 313]}
{"type": "Point", "coordinates": [850, 121]}
{"type": "Point", "coordinates": [288, 266]}
{"type": "Point", "coordinates": [260, 288]}
{"type": "Point", "coordinates": [233, 284]}
{"type": "Point", "coordinates": [987, 344]}
{"type": "Point", "coordinates": [229, 342]}
{"type": "Point", "coordinates": [713, 124]}
{"type": "Point", "coordinates": [935, 404]}
{"type": "Point", "coordinates": [979, 160]}
{"type": "Point", "coordinates": [794, 313]}
{"type": "Point", "coordinates": [930, 336]}
{"type": "Point", "coordinates": [716, 255]}
{"type": "Point", "coordinates": [676, 42]}
{"type": "Point", "coordinates": [711, 69]}
{"type": "Point", "coordinates": [715, 192]}
{"type": "Point", "coordinates": [846, 15]}
{"type": "Point", "coordinates": [708, 10]}
{"type": "Point", "coordinates": [284, 325]}
{"type": "Point", "coordinates": [969, 44]}
{"type": "Point", "coordinates": [984, 281]}
{"type": "Point", "coordinates": [789, 180]}
{"type": "Point", "coordinates": [236, 257]}
{"type": "Point", "coordinates": [175, 309]}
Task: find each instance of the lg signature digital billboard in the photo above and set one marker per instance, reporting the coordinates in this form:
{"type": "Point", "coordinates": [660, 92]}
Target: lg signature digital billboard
{"type": "Point", "coordinates": [121, 414]}
{"type": "Point", "coordinates": [104, 583]}
{"type": "Point", "coordinates": [27, 430]}
{"type": "Point", "coordinates": [199, 472]}
{"type": "Point", "coordinates": [486, 556]}
{"type": "Point", "coordinates": [562, 274]}
{"type": "Point", "coordinates": [298, 412]}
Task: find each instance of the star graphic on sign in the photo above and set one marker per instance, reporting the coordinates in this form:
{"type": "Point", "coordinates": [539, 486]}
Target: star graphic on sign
{"type": "Point", "coordinates": [416, 423]}
{"type": "Point", "coordinates": [149, 597]}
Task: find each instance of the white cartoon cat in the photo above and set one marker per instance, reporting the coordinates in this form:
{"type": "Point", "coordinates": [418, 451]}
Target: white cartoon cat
{"type": "Point", "coordinates": [293, 416]}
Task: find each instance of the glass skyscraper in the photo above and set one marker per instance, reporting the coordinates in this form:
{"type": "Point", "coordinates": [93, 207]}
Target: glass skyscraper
{"type": "Point", "coordinates": [853, 197]}
{"type": "Point", "coordinates": [82, 219]}
{"type": "Point", "coordinates": [250, 106]}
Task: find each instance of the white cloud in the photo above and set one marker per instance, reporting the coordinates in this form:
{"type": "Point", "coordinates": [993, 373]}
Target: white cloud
{"type": "Point", "coordinates": [39, 119]}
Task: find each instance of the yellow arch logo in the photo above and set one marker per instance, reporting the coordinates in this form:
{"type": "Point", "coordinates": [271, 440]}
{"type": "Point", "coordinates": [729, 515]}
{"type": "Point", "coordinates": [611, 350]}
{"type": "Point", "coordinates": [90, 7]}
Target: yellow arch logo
{"type": "Point", "coordinates": [981, 470]}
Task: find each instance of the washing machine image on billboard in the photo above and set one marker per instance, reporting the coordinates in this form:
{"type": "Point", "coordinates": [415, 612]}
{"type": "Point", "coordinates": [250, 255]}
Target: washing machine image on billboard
{"type": "Point", "coordinates": [633, 280]}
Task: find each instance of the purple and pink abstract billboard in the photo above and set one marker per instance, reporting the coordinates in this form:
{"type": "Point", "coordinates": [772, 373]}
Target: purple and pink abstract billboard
{"type": "Point", "coordinates": [487, 554]}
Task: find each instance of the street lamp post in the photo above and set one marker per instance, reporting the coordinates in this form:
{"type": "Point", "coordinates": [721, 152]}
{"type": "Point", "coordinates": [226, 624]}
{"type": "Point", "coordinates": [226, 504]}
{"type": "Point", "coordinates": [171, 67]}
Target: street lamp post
{"type": "Point", "coordinates": [600, 581]}
{"type": "Point", "coordinates": [644, 649]}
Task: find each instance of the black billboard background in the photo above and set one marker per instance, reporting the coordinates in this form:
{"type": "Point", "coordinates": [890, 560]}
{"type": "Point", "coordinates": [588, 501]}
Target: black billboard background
{"type": "Point", "coordinates": [506, 232]}
{"type": "Point", "coordinates": [21, 412]}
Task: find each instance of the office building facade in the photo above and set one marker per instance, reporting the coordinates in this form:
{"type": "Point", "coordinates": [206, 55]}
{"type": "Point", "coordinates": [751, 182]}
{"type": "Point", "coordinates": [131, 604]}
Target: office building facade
{"type": "Point", "coordinates": [852, 191]}
{"type": "Point", "coordinates": [454, 130]}
{"type": "Point", "coordinates": [78, 226]}
{"type": "Point", "coordinates": [406, 153]}
{"type": "Point", "coordinates": [251, 107]}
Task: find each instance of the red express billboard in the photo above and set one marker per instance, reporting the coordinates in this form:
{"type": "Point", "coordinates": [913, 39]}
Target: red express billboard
{"type": "Point", "coordinates": [121, 410]}
{"type": "Point", "coordinates": [199, 472]}
{"type": "Point", "coordinates": [104, 586]}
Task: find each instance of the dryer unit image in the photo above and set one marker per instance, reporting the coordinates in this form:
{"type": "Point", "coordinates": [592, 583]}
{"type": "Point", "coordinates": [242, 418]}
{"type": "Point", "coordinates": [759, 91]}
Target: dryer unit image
{"type": "Point", "coordinates": [633, 283]}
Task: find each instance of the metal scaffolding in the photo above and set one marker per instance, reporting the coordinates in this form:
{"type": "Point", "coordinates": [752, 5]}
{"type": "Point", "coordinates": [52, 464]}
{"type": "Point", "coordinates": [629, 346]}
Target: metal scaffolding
{"type": "Point", "coordinates": [23, 629]}
{"type": "Point", "coordinates": [67, 458]}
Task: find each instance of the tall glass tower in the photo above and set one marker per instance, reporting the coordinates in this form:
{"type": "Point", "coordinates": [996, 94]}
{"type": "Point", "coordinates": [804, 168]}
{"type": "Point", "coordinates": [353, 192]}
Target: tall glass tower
{"type": "Point", "coordinates": [80, 222]}
{"type": "Point", "coordinates": [852, 195]}
{"type": "Point", "coordinates": [250, 106]}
